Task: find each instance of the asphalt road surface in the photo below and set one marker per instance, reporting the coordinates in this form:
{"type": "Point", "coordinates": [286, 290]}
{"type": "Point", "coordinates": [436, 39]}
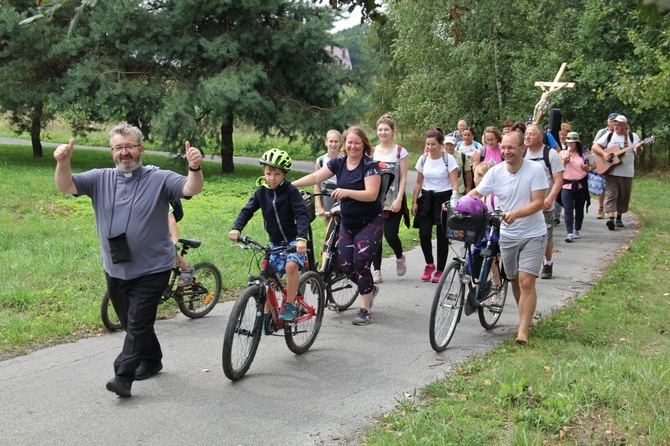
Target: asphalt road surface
{"type": "Point", "coordinates": [57, 395]}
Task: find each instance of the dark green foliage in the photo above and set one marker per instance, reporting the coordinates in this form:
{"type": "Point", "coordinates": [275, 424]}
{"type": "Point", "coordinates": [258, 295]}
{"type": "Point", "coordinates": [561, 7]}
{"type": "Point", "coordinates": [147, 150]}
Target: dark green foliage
{"type": "Point", "coordinates": [33, 63]}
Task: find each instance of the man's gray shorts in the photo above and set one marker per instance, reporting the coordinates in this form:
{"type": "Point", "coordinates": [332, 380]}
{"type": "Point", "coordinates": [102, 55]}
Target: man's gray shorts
{"type": "Point", "coordinates": [525, 255]}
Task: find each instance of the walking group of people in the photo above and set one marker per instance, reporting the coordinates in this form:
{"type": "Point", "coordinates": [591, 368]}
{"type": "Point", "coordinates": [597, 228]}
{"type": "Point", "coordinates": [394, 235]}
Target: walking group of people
{"type": "Point", "coordinates": [131, 207]}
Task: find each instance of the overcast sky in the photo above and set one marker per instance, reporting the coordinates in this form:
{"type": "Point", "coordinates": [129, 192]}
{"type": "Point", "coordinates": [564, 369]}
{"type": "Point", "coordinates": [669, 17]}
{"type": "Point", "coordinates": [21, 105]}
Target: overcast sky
{"type": "Point", "coordinates": [353, 20]}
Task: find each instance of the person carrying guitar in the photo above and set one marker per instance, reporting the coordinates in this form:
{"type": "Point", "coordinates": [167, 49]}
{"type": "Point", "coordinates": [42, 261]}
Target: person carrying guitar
{"type": "Point", "coordinates": [619, 179]}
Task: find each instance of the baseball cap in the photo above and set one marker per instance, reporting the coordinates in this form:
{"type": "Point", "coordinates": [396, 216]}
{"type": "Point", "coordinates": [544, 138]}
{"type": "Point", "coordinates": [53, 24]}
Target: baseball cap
{"type": "Point", "coordinates": [612, 116]}
{"type": "Point", "coordinates": [621, 118]}
{"type": "Point", "coordinates": [450, 140]}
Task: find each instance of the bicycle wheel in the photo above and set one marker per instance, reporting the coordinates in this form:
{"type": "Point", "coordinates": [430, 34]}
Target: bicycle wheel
{"type": "Point", "coordinates": [491, 306]}
{"type": "Point", "coordinates": [200, 297]}
{"type": "Point", "coordinates": [243, 333]}
{"type": "Point", "coordinates": [446, 309]}
{"type": "Point", "coordinates": [341, 291]}
{"type": "Point", "coordinates": [108, 314]}
{"type": "Point", "coordinates": [301, 334]}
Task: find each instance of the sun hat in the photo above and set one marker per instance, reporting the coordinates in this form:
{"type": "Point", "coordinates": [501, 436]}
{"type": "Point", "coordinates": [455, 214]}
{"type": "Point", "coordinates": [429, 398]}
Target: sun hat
{"type": "Point", "coordinates": [450, 140]}
{"type": "Point", "coordinates": [572, 137]}
{"type": "Point", "coordinates": [621, 118]}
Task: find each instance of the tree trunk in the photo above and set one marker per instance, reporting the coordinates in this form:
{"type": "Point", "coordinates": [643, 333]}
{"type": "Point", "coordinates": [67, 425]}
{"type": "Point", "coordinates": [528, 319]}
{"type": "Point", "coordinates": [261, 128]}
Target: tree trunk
{"type": "Point", "coordinates": [227, 150]}
{"type": "Point", "coordinates": [496, 67]}
{"type": "Point", "coordinates": [35, 130]}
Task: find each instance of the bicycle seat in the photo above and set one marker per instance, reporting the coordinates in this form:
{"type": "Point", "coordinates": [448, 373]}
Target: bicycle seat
{"type": "Point", "coordinates": [190, 242]}
{"type": "Point", "coordinates": [335, 210]}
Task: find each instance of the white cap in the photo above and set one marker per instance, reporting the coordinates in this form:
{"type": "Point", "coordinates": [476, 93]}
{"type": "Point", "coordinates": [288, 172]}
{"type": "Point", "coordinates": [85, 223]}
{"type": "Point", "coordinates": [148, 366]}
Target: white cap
{"type": "Point", "coordinates": [450, 140]}
{"type": "Point", "coordinates": [621, 118]}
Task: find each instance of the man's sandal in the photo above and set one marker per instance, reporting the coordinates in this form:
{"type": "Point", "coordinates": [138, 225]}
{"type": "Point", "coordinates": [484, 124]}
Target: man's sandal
{"type": "Point", "coordinates": [185, 277]}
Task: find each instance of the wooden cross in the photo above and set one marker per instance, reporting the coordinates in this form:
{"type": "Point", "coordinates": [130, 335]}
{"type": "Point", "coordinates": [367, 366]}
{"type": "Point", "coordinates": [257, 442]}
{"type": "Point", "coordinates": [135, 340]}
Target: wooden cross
{"type": "Point", "coordinates": [548, 89]}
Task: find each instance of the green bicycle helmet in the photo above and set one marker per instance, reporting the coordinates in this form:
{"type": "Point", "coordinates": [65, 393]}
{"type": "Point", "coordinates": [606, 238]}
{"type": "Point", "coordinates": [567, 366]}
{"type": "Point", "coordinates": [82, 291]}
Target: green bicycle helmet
{"type": "Point", "coordinates": [277, 158]}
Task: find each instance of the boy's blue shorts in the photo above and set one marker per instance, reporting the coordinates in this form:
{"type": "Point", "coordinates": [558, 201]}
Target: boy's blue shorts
{"type": "Point", "coordinates": [278, 259]}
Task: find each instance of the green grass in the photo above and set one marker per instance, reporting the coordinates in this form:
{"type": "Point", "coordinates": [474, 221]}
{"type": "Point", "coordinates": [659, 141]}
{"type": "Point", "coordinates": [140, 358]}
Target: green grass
{"type": "Point", "coordinates": [53, 279]}
{"type": "Point", "coordinates": [596, 372]}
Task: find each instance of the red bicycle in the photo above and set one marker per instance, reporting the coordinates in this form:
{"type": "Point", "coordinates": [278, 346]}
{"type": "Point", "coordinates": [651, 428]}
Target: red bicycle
{"type": "Point", "coordinates": [247, 320]}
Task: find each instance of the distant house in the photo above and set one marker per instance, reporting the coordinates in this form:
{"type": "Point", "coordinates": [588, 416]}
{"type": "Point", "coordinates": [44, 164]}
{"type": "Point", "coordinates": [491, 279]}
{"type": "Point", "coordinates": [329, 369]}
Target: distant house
{"type": "Point", "coordinates": [341, 55]}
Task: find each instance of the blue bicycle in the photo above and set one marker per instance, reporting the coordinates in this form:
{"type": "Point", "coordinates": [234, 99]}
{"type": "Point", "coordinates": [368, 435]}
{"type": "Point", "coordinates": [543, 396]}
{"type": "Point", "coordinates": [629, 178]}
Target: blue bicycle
{"type": "Point", "coordinates": [466, 285]}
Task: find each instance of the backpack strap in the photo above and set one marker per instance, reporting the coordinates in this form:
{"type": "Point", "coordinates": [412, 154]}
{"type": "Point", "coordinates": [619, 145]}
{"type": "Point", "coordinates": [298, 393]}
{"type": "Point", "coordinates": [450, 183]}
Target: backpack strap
{"type": "Point", "coordinates": [399, 152]}
{"type": "Point", "coordinates": [422, 159]}
{"type": "Point", "coordinates": [545, 156]}
{"type": "Point", "coordinates": [445, 158]}
{"type": "Point", "coordinates": [610, 134]}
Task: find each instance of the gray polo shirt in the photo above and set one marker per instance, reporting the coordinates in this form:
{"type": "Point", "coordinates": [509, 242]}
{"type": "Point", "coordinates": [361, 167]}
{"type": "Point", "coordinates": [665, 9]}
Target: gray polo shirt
{"type": "Point", "coordinates": [137, 204]}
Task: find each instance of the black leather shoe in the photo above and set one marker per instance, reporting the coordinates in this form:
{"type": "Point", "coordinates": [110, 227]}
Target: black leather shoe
{"type": "Point", "coordinates": [147, 370]}
{"type": "Point", "coordinates": [120, 386]}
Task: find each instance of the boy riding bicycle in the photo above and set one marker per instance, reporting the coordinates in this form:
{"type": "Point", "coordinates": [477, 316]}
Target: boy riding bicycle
{"type": "Point", "coordinates": [286, 222]}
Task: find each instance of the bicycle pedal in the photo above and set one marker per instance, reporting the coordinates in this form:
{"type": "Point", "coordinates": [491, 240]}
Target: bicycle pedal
{"type": "Point", "coordinates": [333, 307]}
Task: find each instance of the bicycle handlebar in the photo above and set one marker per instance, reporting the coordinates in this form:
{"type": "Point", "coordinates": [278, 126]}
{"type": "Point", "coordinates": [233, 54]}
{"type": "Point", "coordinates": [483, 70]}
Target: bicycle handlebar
{"type": "Point", "coordinates": [326, 193]}
{"type": "Point", "coordinates": [249, 243]}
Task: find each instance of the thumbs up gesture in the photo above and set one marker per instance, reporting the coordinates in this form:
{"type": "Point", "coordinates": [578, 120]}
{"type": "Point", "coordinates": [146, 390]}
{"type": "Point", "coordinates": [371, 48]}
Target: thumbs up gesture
{"type": "Point", "coordinates": [64, 151]}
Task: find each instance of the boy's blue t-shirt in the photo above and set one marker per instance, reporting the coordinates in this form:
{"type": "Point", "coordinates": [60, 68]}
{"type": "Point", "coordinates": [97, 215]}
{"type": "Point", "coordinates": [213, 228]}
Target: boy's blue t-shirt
{"type": "Point", "coordinates": [356, 214]}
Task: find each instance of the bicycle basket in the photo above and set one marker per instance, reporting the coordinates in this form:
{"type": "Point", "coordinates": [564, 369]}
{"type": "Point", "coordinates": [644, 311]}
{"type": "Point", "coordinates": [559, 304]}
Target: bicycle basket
{"type": "Point", "coordinates": [466, 227]}
{"type": "Point", "coordinates": [309, 202]}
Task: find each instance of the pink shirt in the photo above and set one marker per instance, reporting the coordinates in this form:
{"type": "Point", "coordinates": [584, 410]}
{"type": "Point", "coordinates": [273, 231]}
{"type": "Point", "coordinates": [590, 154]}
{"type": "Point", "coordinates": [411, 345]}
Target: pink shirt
{"type": "Point", "coordinates": [492, 154]}
{"type": "Point", "coordinates": [573, 170]}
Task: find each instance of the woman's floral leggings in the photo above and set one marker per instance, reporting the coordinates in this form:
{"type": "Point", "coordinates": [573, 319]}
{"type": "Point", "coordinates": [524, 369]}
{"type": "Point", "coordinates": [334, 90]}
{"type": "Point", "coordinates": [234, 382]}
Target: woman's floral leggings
{"type": "Point", "coordinates": [357, 249]}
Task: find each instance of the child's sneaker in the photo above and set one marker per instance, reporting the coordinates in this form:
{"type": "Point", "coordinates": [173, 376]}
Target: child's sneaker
{"type": "Point", "coordinates": [363, 318]}
{"type": "Point", "coordinates": [569, 238]}
{"type": "Point", "coordinates": [400, 266]}
{"type": "Point", "coordinates": [287, 312]}
{"type": "Point", "coordinates": [427, 272]}
{"type": "Point", "coordinates": [576, 235]}
{"type": "Point", "coordinates": [437, 276]}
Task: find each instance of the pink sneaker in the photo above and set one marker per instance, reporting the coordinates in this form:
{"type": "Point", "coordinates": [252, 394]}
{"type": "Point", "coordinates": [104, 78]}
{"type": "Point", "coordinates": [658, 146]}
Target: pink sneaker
{"type": "Point", "coordinates": [437, 276]}
{"type": "Point", "coordinates": [427, 272]}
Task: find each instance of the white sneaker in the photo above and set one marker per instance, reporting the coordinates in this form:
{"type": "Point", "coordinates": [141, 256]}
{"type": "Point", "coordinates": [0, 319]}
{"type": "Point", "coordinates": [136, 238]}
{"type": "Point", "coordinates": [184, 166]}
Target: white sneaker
{"type": "Point", "coordinates": [400, 266]}
{"type": "Point", "coordinates": [377, 276]}
{"type": "Point", "coordinates": [576, 235]}
{"type": "Point", "coordinates": [569, 238]}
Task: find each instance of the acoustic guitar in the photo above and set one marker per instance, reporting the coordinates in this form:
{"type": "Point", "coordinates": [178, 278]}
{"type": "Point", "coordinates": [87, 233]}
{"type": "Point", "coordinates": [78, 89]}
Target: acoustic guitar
{"type": "Point", "coordinates": [603, 166]}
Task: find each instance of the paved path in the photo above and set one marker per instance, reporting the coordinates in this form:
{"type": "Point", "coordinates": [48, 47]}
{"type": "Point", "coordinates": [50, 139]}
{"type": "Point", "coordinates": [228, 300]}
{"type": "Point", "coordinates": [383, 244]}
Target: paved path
{"type": "Point", "coordinates": [57, 395]}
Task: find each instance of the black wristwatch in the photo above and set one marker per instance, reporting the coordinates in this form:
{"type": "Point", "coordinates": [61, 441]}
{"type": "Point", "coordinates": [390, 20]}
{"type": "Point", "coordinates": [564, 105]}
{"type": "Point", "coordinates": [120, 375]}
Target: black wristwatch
{"type": "Point", "coordinates": [195, 170]}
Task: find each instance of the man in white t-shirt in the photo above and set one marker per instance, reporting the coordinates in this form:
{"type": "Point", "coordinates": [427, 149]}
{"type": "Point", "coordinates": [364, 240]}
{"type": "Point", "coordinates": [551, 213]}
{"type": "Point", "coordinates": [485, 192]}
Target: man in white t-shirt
{"type": "Point", "coordinates": [520, 187]}
{"type": "Point", "coordinates": [601, 132]}
{"type": "Point", "coordinates": [619, 180]}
